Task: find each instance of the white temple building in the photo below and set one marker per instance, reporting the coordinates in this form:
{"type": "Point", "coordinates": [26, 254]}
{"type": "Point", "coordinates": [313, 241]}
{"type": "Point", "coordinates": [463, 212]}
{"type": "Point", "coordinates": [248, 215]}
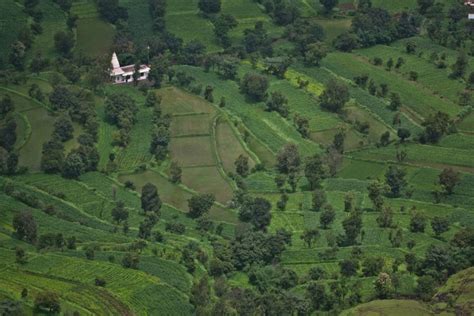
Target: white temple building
{"type": "Point", "coordinates": [124, 74]}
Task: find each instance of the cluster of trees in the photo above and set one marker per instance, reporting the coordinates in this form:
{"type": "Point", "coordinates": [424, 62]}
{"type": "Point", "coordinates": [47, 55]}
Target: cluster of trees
{"type": "Point", "coordinates": [372, 26]}
{"type": "Point", "coordinates": [78, 107]}
{"type": "Point", "coordinates": [120, 110]}
{"type": "Point", "coordinates": [451, 29]}
{"type": "Point", "coordinates": [283, 12]}
{"type": "Point", "coordinates": [8, 154]}
{"type": "Point", "coordinates": [111, 11]}
{"type": "Point", "coordinates": [157, 10]}
{"type": "Point", "coordinates": [161, 136]}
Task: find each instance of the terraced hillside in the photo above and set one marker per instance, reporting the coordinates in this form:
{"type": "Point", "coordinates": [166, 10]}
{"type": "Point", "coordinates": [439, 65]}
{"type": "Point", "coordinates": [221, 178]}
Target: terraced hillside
{"type": "Point", "coordinates": [282, 158]}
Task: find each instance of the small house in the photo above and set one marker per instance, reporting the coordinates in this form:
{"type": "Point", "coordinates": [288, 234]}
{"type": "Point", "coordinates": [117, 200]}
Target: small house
{"type": "Point", "coordinates": [124, 74]}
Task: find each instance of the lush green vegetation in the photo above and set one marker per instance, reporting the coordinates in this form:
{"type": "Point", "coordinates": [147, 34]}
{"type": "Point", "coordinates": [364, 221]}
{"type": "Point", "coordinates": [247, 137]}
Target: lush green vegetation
{"type": "Point", "coordinates": [283, 158]}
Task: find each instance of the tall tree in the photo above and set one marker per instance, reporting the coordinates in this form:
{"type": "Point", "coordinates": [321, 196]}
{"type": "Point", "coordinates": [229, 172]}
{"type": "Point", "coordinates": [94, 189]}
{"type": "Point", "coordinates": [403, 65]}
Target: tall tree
{"type": "Point", "coordinates": [150, 200]}
{"type": "Point", "coordinates": [257, 212]}
{"type": "Point", "coordinates": [376, 191]}
{"type": "Point", "coordinates": [25, 226]}
{"type": "Point", "coordinates": [335, 96]}
{"type": "Point", "coordinates": [395, 179]}
{"type": "Point", "coordinates": [119, 213]}
{"type": "Point", "coordinates": [329, 5]}
{"type": "Point", "coordinates": [209, 6]}
{"type": "Point", "coordinates": [288, 159]}
{"type": "Point", "coordinates": [448, 179]}
{"type": "Point", "coordinates": [242, 165]}
{"type": "Point", "coordinates": [200, 204]}
{"type": "Point", "coordinates": [254, 86]}
{"type": "Point", "coordinates": [309, 236]}
{"type": "Point", "coordinates": [315, 170]}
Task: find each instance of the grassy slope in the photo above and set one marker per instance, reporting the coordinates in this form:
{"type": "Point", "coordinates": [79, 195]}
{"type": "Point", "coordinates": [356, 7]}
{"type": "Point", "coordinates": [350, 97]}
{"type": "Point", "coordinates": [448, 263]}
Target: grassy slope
{"type": "Point", "coordinates": [94, 36]}
{"type": "Point", "coordinates": [12, 19]}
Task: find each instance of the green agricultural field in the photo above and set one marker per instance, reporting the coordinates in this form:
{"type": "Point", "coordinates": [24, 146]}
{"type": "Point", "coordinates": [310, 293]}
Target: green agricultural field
{"type": "Point", "coordinates": [390, 307]}
{"type": "Point", "coordinates": [229, 146]}
{"type": "Point", "coordinates": [429, 76]}
{"type": "Point", "coordinates": [12, 20]}
{"type": "Point", "coordinates": [94, 36]}
{"type": "Point", "coordinates": [422, 154]}
{"type": "Point", "coordinates": [54, 20]}
{"type": "Point", "coordinates": [139, 20]}
{"type": "Point", "coordinates": [421, 100]}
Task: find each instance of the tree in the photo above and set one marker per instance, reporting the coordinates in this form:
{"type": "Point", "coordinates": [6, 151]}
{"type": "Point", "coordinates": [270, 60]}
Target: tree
{"type": "Point", "coordinates": [222, 25]}
{"type": "Point", "coordinates": [254, 86]}
{"type": "Point", "coordinates": [460, 66]}
{"type": "Point", "coordinates": [424, 5]}
{"type": "Point", "coordinates": [335, 96]}
{"type": "Point", "coordinates": [52, 159]}
{"type": "Point", "coordinates": [144, 230]}
{"type": "Point", "coordinates": [257, 212]}
{"type": "Point", "coordinates": [200, 293]}
{"type": "Point", "coordinates": [315, 53]}
{"type": "Point", "coordinates": [111, 11]}
{"type": "Point", "coordinates": [64, 42]}
{"type": "Point", "coordinates": [309, 236]}
{"type": "Point", "coordinates": [470, 81]}
{"type": "Point", "coordinates": [352, 227]}
{"type": "Point", "coordinates": [20, 256]}
{"type": "Point", "coordinates": [119, 213]}
{"type": "Point", "coordinates": [63, 128]}
{"type": "Point", "coordinates": [395, 179]}
{"type": "Point", "coordinates": [395, 101]}
{"type": "Point", "coordinates": [288, 159]}
{"type": "Point", "coordinates": [74, 166]}
{"type": "Point", "coordinates": [150, 200]}
{"type": "Point", "coordinates": [425, 288]}
{"type": "Point", "coordinates": [376, 191]}
{"type": "Point", "coordinates": [410, 47]}
{"type": "Point", "coordinates": [439, 225]}
{"type": "Point", "coordinates": [278, 103]}
{"type": "Point", "coordinates": [6, 106]}
{"type": "Point", "coordinates": [329, 5]}
{"type": "Point", "coordinates": [120, 109]}
{"type": "Point", "coordinates": [327, 216]}
{"type": "Point", "coordinates": [385, 139]}
{"type": "Point", "coordinates": [200, 204]}
{"type": "Point", "coordinates": [316, 294]}
{"type": "Point", "coordinates": [448, 179]}
{"type": "Point", "coordinates": [175, 172]}
{"type": "Point", "coordinates": [315, 170]}
{"type": "Point", "coordinates": [242, 165]}
{"type": "Point", "coordinates": [302, 125]}
{"type": "Point", "coordinates": [385, 218]}
{"type": "Point", "coordinates": [8, 134]}
{"type": "Point", "coordinates": [417, 223]}
{"type": "Point", "coordinates": [131, 260]}
{"type": "Point", "coordinates": [372, 266]}
{"type": "Point", "coordinates": [435, 127]}
{"type": "Point", "coordinates": [17, 55]}
{"type": "Point", "coordinates": [349, 267]}
{"type": "Point", "coordinates": [346, 42]}
{"type": "Point", "coordinates": [25, 226]}
{"type": "Point", "coordinates": [383, 286]}
{"type": "Point", "coordinates": [403, 134]}
{"type": "Point", "coordinates": [209, 6]}
{"type": "Point", "coordinates": [152, 100]}
{"type": "Point", "coordinates": [319, 200]}
{"type": "Point", "coordinates": [208, 93]}
{"type": "Point", "coordinates": [90, 253]}
{"type": "Point", "coordinates": [47, 302]}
